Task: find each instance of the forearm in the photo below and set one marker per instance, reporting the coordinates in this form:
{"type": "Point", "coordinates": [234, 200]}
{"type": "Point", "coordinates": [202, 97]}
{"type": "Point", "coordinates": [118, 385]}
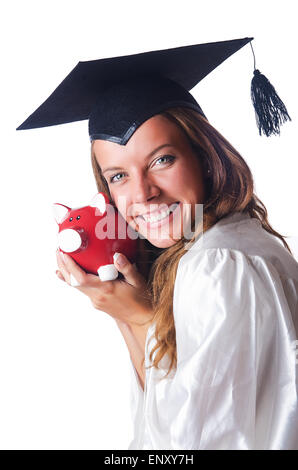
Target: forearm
{"type": "Point", "coordinates": [135, 338]}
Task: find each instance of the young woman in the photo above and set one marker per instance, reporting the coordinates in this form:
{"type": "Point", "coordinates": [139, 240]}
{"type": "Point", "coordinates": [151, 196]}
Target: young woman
{"type": "Point", "coordinates": [210, 320]}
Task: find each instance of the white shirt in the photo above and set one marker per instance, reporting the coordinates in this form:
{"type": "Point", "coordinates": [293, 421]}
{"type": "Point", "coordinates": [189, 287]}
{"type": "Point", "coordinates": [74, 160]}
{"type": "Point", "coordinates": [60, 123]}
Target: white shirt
{"type": "Point", "coordinates": [235, 308]}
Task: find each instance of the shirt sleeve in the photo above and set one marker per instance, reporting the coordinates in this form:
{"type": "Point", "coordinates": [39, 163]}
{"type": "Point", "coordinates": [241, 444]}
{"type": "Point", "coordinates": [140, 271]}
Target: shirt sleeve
{"type": "Point", "coordinates": [136, 405]}
{"type": "Point", "coordinates": [236, 381]}
{"type": "Point", "coordinates": [137, 400]}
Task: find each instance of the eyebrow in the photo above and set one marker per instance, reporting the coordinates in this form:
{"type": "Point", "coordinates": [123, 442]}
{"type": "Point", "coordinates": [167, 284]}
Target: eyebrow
{"type": "Point", "coordinates": [113, 168]}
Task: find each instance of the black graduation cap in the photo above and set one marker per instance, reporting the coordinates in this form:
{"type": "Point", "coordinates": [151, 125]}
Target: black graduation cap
{"type": "Point", "coordinates": [118, 94]}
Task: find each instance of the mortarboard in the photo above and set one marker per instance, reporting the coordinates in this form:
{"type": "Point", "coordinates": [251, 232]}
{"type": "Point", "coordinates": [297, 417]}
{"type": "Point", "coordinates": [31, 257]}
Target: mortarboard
{"type": "Point", "coordinates": [118, 94]}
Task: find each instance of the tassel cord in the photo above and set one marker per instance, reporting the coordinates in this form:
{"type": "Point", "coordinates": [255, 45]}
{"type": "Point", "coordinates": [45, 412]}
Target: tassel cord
{"type": "Point", "coordinates": [270, 110]}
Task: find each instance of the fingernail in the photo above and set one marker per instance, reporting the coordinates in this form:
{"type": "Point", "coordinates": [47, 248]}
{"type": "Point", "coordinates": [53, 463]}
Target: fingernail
{"type": "Point", "coordinates": [120, 259]}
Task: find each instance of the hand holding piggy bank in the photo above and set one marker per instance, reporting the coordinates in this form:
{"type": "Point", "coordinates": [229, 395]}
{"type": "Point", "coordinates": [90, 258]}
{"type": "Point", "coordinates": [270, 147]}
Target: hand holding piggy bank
{"type": "Point", "coordinates": [92, 234]}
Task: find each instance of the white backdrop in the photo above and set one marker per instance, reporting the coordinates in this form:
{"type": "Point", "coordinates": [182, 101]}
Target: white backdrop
{"type": "Point", "coordinates": [64, 365]}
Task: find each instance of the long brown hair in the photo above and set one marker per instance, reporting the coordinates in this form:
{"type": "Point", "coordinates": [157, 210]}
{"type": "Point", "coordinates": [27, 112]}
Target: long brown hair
{"type": "Point", "coordinates": [229, 188]}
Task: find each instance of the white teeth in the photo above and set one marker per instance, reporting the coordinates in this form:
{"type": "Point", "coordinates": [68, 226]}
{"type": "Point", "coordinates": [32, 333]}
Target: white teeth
{"type": "Point", "coordinates": [161, 215]}
{"type": "Point", "coordinates": [155, 218]}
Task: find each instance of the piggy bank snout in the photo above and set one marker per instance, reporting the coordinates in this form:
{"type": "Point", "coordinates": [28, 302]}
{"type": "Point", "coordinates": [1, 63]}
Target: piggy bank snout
{"type": "Point", "coordinates": [69, 240]}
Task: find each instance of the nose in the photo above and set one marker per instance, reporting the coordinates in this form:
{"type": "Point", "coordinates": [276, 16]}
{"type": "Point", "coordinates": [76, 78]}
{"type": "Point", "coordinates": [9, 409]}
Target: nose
{"type": "Point", "coordinates": [69, 240]}
{"type": "Point", "coordinates": [143, 189]}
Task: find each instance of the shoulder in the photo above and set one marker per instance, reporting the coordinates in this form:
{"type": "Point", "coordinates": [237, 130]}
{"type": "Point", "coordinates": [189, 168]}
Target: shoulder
{"type": "Point", "coordinates": [227, 267]}
{"type": "Point", "coordinates": [225, 280]}
{"type": "Point", "coordinates": [227, 292]}
{"type": "Point", "coordinates": [240, 239]}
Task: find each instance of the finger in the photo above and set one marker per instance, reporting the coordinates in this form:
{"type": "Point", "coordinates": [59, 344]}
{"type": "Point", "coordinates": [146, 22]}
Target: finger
{"type": "Point", "coordinates": [62, 267]}
{"type": "Point", "coordinates": [60, 275]}
{"type": "Point", "coordinates": [128, 270]}
{"type": "Point", "coordinates": [67, 277]}
{"type": "Point", "coordinates": [79, 277]}
{"type": "Point", "coordinates": [76, 274]}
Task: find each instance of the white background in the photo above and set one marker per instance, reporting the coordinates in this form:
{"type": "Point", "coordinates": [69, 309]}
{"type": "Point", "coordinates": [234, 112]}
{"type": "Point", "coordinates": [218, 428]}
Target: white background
{"type": "Point", "coordinates": [64, 365]}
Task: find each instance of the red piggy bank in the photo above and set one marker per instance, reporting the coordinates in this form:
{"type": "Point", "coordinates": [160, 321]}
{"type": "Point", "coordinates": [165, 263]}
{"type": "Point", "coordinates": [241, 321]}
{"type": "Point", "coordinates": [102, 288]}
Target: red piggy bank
{"type": "Point", "coordinates": [92, 234]}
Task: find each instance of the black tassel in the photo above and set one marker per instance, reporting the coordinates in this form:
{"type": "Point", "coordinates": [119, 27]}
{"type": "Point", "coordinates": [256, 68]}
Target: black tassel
{"type": "Point", "coordinates": [270, 111]}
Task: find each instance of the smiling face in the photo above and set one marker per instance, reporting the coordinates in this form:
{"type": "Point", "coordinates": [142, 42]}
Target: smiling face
{"type": "Point", "coordinates": [154, 170]}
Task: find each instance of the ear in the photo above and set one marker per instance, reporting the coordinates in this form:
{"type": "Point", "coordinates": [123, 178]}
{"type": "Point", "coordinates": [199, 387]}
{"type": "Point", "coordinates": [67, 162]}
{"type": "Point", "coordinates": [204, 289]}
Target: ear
{"type": "Point", "coordinates": [60, 212]}
{"type": "Point", "coordinates": [100, 201]}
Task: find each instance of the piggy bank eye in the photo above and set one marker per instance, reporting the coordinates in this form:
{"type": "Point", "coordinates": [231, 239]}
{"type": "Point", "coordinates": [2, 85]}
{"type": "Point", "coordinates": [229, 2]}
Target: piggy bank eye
{"type": "Point", "coordinates": [70, 219]}
{"type": "Point", "coordinates": [78, 217]}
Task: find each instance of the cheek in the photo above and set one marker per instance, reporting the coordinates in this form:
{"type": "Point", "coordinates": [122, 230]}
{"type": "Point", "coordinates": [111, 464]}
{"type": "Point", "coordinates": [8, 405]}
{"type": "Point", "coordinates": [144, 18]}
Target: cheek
{"type": "Point", "coordinates": [189, 181]}
{"type": "Point", "coordinates": [115, 195]}
{"type": "Point", "coordinates": [176, 179]}
{"type": "Point", "coordinates": [122, 202]}
{"type": "Point", "coordinates": [182, 179]}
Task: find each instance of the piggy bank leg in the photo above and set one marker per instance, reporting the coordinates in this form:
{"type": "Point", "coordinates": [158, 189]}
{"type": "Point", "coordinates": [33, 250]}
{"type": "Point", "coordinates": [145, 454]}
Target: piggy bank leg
{"type": "Point", "coordinates": [107, 272]}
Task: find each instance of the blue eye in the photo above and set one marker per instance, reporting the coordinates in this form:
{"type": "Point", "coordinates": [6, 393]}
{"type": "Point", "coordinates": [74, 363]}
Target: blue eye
{"type": "Point", "coordinates": [114, 176]}
{"type": "Point", "coordinates": [169, 158]}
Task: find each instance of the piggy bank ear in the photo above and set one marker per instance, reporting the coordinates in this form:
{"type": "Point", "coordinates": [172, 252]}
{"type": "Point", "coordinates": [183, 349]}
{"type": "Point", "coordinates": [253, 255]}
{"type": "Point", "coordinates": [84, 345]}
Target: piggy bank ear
{"type": "Point", "coordinates": [60, 212]}
{"type": "Point", "coordinates": [100, 201]}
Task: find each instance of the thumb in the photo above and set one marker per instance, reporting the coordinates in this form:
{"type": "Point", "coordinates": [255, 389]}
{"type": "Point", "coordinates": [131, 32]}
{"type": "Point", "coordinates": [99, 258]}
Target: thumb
{"type": "Point", "coordinates": [128, 270]}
